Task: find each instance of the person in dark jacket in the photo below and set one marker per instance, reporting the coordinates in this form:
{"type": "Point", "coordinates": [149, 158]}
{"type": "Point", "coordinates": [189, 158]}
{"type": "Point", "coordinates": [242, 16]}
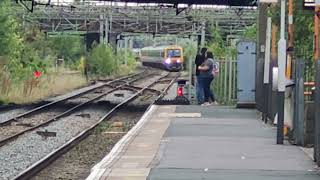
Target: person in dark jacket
{"type": "Point", "coordinates": [200, 58]}
{"type": "Point", "coordinates": [206, 77]}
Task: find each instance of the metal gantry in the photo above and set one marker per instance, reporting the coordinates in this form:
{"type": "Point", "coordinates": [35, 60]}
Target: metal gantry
{"type": "Point", "coordinates": [89, 17]}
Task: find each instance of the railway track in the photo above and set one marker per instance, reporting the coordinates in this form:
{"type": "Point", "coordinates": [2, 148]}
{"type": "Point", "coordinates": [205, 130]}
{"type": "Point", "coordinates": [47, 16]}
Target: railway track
{"type": "Point", "coordinates": [54, 111]}
{"type": "Point", "coordinates": [137, 91]}
{"type": "Point", "coordinates": [49, 105]}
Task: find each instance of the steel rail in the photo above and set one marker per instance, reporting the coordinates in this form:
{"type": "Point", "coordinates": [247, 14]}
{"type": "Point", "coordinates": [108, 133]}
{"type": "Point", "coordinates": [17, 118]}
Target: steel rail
{"type": "Point", "coordinates": [64, 99]}
{"type": "Point", "coordinates": [135, 88]}
{"type": "Point", "coordinates": [65, 113]}
{"type": "Point", "coordinates": [47, 160]}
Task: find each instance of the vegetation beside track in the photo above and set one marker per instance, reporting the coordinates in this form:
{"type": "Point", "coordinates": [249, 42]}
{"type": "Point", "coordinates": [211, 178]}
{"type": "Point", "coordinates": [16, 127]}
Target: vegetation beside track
{"type": "Point", "coordinates": [35, 65]}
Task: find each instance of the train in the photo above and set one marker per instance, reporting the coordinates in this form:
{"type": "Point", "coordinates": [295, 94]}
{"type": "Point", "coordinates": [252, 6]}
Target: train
{"type": "Point", "coordinates": [165, 57]}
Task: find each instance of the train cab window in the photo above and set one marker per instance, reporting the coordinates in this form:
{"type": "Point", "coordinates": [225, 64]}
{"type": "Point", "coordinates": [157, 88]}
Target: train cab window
{"type": "Point", "coordinates": [174, 53]}
{"type": "Point", "coordinates": [162, 54]}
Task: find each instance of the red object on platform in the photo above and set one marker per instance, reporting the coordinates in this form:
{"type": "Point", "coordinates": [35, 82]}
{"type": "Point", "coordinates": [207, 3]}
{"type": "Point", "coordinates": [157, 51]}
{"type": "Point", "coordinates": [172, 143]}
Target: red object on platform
{"type": "Point", "coordinates": [37, 74]}
{"type": "Point", "coordinates": [180, 91]}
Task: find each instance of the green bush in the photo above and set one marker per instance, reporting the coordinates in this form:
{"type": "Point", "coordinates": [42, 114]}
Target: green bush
{"type": "Point", "coordinates": [69, 47]}
{"type": "Point", "coordinates": [101, 60]}
{"type": "Point", "coordinates": [128, 56]}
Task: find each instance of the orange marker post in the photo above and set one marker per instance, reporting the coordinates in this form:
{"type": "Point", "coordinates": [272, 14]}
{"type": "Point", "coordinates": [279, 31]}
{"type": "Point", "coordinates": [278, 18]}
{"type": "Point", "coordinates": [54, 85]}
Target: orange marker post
{"type": "Point", "coordinates": [290, 39]}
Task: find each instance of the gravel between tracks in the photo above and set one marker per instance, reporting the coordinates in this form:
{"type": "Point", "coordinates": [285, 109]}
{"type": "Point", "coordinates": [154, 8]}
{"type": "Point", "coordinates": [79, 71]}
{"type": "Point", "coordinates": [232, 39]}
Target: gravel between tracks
{"type": "Point", "coordinates": [85, 97]}
{"type": "Point", "coordinates": [76, 164]}
{"type": "Point", "coordinates": [78, 91]}
{"type": "Point", "coordinates": [145, 82]}
{"type": "Point", "coordinates": [4, 116]}
{"type": "Point", "coordinates": [26, 123]}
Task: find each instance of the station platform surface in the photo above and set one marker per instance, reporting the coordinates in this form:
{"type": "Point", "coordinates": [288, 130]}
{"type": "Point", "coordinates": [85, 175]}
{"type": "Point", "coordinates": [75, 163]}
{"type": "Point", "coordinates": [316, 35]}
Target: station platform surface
{"type": "Point", "coordinates": [194, 142]}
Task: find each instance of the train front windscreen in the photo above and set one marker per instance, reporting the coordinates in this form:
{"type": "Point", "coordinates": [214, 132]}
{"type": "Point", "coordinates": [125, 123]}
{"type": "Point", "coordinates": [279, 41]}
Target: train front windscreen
{"type": "Point", "coordinates": [174, 53]}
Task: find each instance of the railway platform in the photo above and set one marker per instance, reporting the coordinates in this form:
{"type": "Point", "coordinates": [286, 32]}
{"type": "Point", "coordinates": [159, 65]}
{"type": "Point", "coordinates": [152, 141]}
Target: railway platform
{"type": "Point", "coordinates": [194, 142]}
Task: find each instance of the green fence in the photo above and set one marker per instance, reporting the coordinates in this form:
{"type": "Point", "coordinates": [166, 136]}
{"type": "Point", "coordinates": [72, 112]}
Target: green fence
{"type": "Point", "coordinates": [224, 85]}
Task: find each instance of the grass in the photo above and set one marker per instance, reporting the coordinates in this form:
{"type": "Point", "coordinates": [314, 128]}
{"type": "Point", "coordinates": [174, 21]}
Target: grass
{"type": "Point", "coordinates": [52, 84]}
{"type": "Point", "coordinates": [123, 71]}
{"type": "Point", "coordinates": [48, 86]}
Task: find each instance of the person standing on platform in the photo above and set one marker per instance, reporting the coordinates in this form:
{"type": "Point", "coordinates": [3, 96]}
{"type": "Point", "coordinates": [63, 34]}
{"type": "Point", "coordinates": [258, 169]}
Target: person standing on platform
{"type": "Point", "coordinates": [200, 58]}
{"type": "Point", "coordinates": [206, 75]}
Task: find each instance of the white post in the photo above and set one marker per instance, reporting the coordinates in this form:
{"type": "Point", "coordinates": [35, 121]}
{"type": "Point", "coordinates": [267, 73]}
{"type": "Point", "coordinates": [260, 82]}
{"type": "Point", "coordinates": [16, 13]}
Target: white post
{"type": "Point", "coordinates": [267, 54]}
{"type": "Point", "coordinates": [130, 43]}
{"type": "Point", "coordinates": [282, 50]}
{"type": "Point", "coordinates": [190, 78]}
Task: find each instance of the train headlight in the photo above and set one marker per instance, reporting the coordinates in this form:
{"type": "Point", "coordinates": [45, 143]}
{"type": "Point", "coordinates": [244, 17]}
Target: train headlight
{"type": "Point", "coordinates": [168, 61]}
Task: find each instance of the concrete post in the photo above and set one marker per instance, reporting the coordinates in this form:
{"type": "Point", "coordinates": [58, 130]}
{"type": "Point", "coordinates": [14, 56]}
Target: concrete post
{"type": "Point", "coordinates": [101, 29]}
{"type": "Point", "coordinates": [125, 50]}
{"type": "Point", "coordinates": [203, 34]}
{"type": "Point", "coordinates": [267, 67]}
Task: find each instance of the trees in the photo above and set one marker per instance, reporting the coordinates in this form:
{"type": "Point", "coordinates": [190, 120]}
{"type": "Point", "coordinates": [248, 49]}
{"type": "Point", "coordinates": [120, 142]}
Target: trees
{"type": "Point", "coordinates": [250, 32]}
{"type": "Point", "coordinates": [101, 60]}
{"type": "Point", "coordinates": [219, 46]}
{"type": "Point", "coordinates": [303, 29]}
{"type": "Point", "coordinates": [11, 41]}
{"type": "Point", "coordinates": [71, 48]}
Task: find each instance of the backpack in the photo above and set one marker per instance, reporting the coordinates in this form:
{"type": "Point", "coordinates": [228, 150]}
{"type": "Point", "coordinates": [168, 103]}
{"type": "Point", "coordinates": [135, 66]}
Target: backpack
{"type": "Point", "coordinates": [215, 69]}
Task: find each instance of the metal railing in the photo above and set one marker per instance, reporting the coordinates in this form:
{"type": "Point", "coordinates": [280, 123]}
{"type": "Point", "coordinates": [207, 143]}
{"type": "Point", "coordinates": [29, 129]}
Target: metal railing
{"type": "Point", "coordinates": [224, 85]}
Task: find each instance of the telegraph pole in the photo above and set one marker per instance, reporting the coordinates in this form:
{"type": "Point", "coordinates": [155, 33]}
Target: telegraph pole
{"type": "Point", "coordinates": [282, 51]}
